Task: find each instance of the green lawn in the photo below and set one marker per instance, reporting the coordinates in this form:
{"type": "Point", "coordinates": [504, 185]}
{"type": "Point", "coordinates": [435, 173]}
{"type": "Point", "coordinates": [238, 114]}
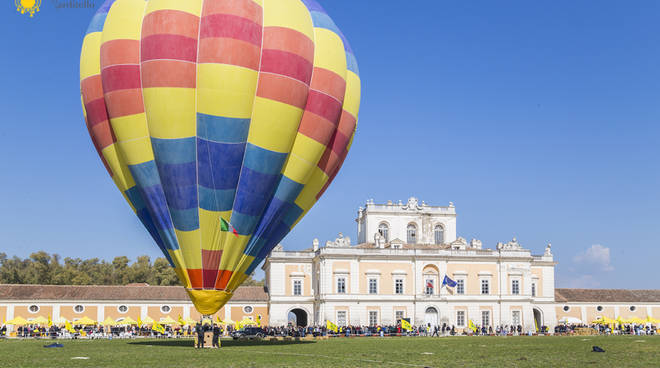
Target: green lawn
{"type": "Point", "coordinates": [629, 351]}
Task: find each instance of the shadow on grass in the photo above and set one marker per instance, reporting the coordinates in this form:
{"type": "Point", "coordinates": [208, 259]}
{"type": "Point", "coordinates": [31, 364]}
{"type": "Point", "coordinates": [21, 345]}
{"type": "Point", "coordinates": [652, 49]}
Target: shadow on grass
{"type": "Point", "coordinates": [223, 343]}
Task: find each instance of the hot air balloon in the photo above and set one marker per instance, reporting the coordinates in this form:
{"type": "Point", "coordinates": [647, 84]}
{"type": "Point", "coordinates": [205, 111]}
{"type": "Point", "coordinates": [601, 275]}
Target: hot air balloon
{"type": "Point", "coordinates": [221, 122]}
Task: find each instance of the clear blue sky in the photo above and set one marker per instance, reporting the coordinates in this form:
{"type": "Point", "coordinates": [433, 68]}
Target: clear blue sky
{"type": "Point", "coordinates": [538, 119]}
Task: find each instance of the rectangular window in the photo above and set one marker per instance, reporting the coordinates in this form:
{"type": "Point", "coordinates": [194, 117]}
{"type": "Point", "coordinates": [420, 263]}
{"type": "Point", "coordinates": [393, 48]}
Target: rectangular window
{"type": "Point", "coordinates": [515, 318]}
{"type": "Point", "coordinates": [485, 287]}
{"type": "Point", "coordinates": [533, 289]}
{"type": "Point", "coordinates": [341, 318]}
{"type": "Point", "coordinates": [460, 318]}
{"type": "Point", "coordinates": [485, 318]}
{"type": "Point", "coordinates": [429, 286]}
{"type": "Point", "coordinates": [373, 318]}
{"type": "Point", "coordinates": [297, 287]}
{"type": "Point", "coordinates": [341, 285]}
{"type": "Point", "coordinates": [515, 287]}
{"type": "Point", "coordinates": [460, 286]}
{"type": "Point", "coordinates": [398, 286]}
{"type": "Point", "coordinates": [373, 286]}
{"type": "Point", "coordinates": [398, 316]}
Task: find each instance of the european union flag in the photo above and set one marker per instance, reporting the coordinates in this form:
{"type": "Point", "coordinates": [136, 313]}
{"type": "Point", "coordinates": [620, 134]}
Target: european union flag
{"type": "Point", "coordinates": [449, 282]}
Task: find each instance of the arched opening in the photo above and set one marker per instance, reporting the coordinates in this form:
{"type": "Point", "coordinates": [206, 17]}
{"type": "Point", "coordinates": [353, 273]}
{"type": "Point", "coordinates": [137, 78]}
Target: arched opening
{"type": "Point", "coordinates": [538, 319]}
{"type": "Point", "coordinates": [439, 234]}
{"type": "Point", "coordinates": [431, 317]}
{"type": "Point", "coordinates": [430, 275]}
{"type": "Point", "coordinates": [384, 231]}
{"type": "Point", "coordinates": [411, 234]}
{"type": "Point", "coordinates": [298, 317]}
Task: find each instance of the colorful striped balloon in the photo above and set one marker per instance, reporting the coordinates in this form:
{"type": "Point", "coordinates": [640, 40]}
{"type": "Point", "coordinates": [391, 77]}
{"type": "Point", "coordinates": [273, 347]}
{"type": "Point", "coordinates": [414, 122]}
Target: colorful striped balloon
{"type": "Point", "coordinates": [207, 112]}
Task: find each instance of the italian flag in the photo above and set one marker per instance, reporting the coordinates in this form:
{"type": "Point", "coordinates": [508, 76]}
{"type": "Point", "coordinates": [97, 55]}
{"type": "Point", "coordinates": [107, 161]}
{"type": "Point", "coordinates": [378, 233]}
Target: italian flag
{"type": "Point", "coordinates": [225, 226]}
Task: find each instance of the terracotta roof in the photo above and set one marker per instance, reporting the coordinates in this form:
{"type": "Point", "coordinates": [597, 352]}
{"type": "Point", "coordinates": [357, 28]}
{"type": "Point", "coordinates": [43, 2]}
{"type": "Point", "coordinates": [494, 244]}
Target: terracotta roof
{"type": "Point", "coordinates": [607, 296]}
{"type": "Point", "coordinates": [128, 292]}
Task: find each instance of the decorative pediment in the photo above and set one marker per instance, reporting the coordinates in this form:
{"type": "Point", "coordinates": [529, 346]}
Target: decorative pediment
{"type": "Point", "coordinates": [459, 243]}
{"type": "Point", "coordinates": [512, 245]}
{"type": "Point", "coordinates": [412, 205]}
{"type": "Point", "coordinates": [341, 242]}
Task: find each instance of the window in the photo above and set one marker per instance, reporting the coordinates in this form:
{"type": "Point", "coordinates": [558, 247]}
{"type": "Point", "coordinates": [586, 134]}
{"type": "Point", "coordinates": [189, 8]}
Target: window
{"type": "Point", "coordinates": [247, 309]}
{"type": "Point", "coordinates": [485, 318]}
{"type": "Point", "coordinates": [165, 309]}
{"type": "Point", "coordinates": [439, 234]}
{"type": "Point", "coordinates": [515, 318]}
{"type": "Point", "coordinates": [341, 318]}
{"type": "Point", "coordinates": [412, 234]}
{"type": "Point", "coordinates": [429, 287]}
{"type": "Point", "coordinates": [297, 287]}
{"type": "Point", "coordinates": [384, 230]}
{"type": "Point", "coordinates": [460, 318]}
{"type": "Point", "coordinates": [373, 318]}
{"type": "Point", "coordinates": [33, 308]}
{"type": "Point", "coordinates": [78, 308]}
{"type": "Point", "coordinates": [599, 308]}
{"type": "Point", "coordinates": [632, 308]}
{"type": "Point", "coordinates": [515, 287]}
{"type": "Point", "coordinates": [533, 289]}
{"type": "Point", "coordinates": [398, 286]}
{"type": "Point", "coordinates": [566, 308]}
{"type": "Point", "coordinates": [341, 285]}
{"type": "Point", "coordinates": [122, 309]}
{"type": "Point", "coordinates": [373, 286]}
{"type": "Point", "coordinates": [485, 287]}
{"type": "Point", "coordinates": [460, 286]}
{"type": "Point", "coordinates": [398, 316]}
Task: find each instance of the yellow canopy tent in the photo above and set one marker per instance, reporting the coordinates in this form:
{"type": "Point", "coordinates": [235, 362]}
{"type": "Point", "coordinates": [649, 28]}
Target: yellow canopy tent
{"type": "Point", "coordinates": [17, 321]}
{"type": "Point", "coordinates": [245, 322]}
{"type": "Point", "coordinates": [190, 321]}
{"type": "Point", "coordinates": [147, 321]}
{"type": "Point", "coordinates": [167, 321]}
{"type": "Point", "coordinates": [637, 321]}
{"type": "Point", "coordinates": [41, 320]}
{"type": "Point", "coordinates": [109, 322]}
{"type": "Point", "coordinates": [85, 321]}
{"type": "Point", "coordinates": [128, 321]}
{"type": "Point", "coordinates": [652, 320]}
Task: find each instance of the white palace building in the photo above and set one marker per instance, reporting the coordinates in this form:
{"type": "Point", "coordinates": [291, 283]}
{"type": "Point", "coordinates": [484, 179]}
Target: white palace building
{"type": "Point", "coordinates": [397, 269]}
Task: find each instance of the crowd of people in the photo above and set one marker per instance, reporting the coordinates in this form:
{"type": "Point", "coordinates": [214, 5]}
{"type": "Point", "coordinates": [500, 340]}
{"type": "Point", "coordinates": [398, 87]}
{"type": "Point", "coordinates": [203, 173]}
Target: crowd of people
{"type": "Point", "coordinates": [174, 331]}
{"type": "Point", "coordinates": [613, 329]}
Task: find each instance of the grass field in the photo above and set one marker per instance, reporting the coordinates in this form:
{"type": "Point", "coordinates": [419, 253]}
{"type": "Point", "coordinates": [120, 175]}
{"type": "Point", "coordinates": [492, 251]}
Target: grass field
{"type": "Point", "coordinates": [628, 351]}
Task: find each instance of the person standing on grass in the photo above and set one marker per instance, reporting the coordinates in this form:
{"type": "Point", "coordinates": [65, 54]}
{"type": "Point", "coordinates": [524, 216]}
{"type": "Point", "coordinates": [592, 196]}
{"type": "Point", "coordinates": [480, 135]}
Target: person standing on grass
{"type": "Point", "coordinates": [199, 329]}
{"type": "Point", "coordinates": [216, 336]}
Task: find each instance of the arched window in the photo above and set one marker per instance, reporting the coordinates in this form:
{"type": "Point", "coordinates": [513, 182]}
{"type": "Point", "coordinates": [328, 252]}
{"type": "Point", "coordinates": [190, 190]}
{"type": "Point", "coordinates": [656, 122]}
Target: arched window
{"type": "Point", "coordinates": [384, 230]}
{"type": "Point", "coordinates": [439, 234]}
{"type": "Point", "coordinates": [412, 234]}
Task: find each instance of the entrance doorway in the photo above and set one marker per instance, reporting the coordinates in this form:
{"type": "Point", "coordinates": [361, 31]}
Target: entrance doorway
{"type": "Point", "coordinates": [298, 317]}
{"type": "Point", "coordinates": [431, 317]}
{"type": "Point", "coordinates": [538, 319]}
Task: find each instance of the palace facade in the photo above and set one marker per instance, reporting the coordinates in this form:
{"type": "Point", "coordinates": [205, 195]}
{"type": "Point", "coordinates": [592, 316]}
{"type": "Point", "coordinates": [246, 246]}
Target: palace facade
{"type": "Point", "coordinates": [397, 268]}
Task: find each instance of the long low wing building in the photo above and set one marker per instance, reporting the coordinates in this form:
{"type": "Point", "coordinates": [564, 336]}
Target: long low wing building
{"type": "Point", "coordinates": [408, 263]}
{"type": "Point", "coordinates": [120, 302]}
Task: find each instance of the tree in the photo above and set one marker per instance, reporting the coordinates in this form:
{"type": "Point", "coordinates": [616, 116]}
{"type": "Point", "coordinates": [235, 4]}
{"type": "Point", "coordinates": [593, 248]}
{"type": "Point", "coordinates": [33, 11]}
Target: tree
{"type": "Point", "coordinates": [43, 268]}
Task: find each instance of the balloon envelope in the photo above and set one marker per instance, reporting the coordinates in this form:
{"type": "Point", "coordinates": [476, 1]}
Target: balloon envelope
{"type": "Point", "coordinates": [222, 122]}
